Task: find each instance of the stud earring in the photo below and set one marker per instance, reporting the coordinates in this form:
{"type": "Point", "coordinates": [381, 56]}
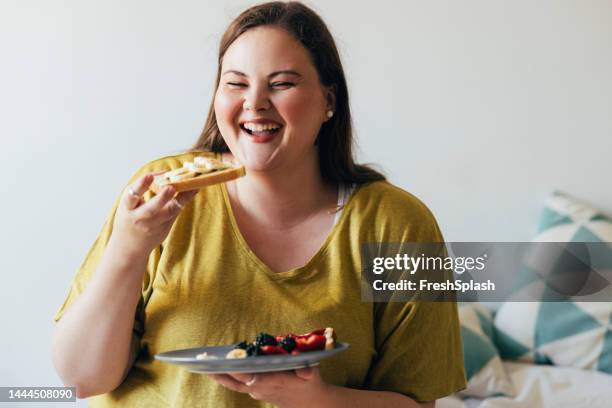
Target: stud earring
{"type": "Point", "coordinates": [330, 113]}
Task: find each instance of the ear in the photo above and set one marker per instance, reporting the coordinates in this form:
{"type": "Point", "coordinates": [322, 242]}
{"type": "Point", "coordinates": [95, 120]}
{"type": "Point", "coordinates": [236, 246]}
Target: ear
{"type": "Point", "coordinates": [330, 99]}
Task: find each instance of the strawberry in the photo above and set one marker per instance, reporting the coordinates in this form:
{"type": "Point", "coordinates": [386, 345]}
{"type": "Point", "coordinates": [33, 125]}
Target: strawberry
{"type": "Point", "coordinates": [318, 331]}
{"type": "Point", "coordinates": [310, 342]}
{"type": "Point", "coordinates": [269, 350]}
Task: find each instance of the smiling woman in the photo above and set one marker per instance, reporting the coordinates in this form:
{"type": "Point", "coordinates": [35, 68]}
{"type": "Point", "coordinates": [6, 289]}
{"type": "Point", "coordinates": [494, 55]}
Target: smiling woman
{"type": "Point", "coordinates": [276, 251]}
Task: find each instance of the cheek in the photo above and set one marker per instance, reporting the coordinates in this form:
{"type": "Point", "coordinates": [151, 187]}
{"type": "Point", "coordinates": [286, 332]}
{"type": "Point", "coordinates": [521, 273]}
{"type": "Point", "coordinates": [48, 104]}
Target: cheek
{"type": "Point", "coordinates": [226, 107]}
{"type": "Point", "coordinates": [303, 112]}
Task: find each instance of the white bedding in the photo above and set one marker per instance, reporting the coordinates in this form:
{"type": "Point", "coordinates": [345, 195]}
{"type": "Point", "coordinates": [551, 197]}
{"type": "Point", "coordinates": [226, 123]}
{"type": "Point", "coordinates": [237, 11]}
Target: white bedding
{"type": "Point", "coordinates": [545, 386]}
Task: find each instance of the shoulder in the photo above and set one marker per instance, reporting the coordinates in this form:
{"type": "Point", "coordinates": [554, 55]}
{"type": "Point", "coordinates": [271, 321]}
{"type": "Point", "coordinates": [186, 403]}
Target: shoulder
{"type": "Point", "coordinates": [386, 198]}
{"type": "Point", "coordinates": [387, 206]}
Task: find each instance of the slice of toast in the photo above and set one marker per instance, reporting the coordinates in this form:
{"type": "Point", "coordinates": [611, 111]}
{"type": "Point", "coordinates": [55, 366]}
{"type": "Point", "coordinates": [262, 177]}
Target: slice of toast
{"type": "Point", "coordinates": [195, 181]}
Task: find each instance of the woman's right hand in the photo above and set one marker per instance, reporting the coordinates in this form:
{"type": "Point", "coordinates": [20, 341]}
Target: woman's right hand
{"type": "Point", "coordinates": [141, 226]}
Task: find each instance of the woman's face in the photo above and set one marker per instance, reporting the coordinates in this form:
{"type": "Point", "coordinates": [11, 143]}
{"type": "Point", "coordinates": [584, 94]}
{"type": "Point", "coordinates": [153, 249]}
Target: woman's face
{"type": "Point", "coordinates": [270, 103]}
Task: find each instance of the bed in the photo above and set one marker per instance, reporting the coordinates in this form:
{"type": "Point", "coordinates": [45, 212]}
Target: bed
{"type": "Point", "coordinates": [545, 386]}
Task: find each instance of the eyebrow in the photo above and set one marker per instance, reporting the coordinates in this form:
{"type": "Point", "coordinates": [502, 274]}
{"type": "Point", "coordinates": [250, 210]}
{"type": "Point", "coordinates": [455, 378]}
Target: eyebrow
{"type": "Point", "coordinates": [272, 75]}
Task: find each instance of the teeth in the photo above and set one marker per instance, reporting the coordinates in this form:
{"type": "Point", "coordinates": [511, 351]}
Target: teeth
{"type": "Point", "coordinates": [256, 127]}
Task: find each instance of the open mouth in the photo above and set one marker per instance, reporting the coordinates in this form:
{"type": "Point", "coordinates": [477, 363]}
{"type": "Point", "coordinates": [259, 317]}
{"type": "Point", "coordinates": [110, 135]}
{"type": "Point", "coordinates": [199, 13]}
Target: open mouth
{"type": "Point", "coordinates": [260, 130]}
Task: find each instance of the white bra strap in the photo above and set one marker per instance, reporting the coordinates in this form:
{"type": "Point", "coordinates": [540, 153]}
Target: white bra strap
{"type": "Point", "coordinates": [343, 194]}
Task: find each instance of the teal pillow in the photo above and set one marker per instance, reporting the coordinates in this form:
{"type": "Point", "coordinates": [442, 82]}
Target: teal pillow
{"type": "Point", "coordinates": [483, 366]}
{"type": "Point", "coordinates": [575, 334]}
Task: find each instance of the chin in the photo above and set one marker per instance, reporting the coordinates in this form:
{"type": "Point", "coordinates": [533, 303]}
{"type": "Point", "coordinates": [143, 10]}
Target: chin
{"type": "Point", "coordinates": [256, 160]}
{"type": "Point", "coordinates": [256, 157]}
{"type": "Point", "coordinates": [257, 164]}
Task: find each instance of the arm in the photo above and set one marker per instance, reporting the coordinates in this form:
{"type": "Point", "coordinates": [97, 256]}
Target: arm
{"type": "Point", "coordinates": [98, 326]}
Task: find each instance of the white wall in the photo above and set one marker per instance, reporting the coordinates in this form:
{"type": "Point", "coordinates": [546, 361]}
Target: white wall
{"type": "Point", "coordinates": [478, 107]}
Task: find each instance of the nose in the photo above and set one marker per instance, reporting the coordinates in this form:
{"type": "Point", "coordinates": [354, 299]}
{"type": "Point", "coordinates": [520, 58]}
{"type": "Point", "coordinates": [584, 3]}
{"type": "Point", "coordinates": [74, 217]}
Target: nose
{"type": "Point", "coordinates": [256, 99]}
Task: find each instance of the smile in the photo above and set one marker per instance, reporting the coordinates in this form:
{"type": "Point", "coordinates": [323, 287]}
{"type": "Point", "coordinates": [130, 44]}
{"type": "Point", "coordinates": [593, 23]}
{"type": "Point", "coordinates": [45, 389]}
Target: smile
{"type": "Point", "coordinates": [261, 133]}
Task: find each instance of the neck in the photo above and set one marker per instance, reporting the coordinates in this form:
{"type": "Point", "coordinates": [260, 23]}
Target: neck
{"type": "Point", "coordinates": [281, 198]}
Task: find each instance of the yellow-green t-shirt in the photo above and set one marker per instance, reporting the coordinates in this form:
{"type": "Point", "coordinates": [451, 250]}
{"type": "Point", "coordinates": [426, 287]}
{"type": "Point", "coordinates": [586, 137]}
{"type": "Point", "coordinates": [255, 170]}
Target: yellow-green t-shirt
{"type": "Point", "coordinates": [204, 286]}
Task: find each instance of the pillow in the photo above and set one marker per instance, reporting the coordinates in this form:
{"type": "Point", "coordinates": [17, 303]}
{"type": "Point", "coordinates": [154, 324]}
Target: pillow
{"type": "Point", "coordinates": [483, 366]}
{"type": "Point", "coordinates": [575, 334]}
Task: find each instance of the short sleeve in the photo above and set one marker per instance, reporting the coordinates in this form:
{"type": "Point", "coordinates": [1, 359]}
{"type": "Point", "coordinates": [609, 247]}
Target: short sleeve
{"type": "Point", "coordinates": [93, 258]}
{"type": "Point", "coordinates": [419, 350]}
{"type": "Point", "coordinates": [418, 344]}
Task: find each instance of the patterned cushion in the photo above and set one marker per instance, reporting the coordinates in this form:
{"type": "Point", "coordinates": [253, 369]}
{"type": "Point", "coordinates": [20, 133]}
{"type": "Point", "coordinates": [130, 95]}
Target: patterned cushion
{"type": "Point", "coordinates": [576, 334]}
{"type": "Point", "coordinates": [483, 366]}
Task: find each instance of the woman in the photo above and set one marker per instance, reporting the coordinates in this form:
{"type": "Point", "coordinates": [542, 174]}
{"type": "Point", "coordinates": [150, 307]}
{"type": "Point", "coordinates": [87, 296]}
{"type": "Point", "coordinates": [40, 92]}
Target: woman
{"type": "Point", "coordinates": [276, 251]}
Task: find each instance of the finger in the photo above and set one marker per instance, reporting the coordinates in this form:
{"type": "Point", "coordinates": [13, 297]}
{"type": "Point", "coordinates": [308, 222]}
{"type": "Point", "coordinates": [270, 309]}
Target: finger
{"type": "Point", "coordinates": [131, 200]}
{"type": "Point", "coordinates": [132, 196]}
{"type": "Point", "coordinates": [173, 207]}
{"type": "Point", "coordinates": [166, 226]}
{"type": "Point", "coordinates": [153, 207]}
{"type": "Point", "coordinates": [186, 196]}
{"type": "Point", "coordinates": [266, 380]}
{"type": "Point", "coordinates": [242, 377]}
{"type": "Point", "coordinates": [230, 383]}
{"type": "Point", "coordinates": [181, 200]}
{"type": "Point", "coordinates": [304, 373]}
{"type": "Point", "coordinates": [142, 184]}
{"type": "Point", "coordinates": [307, 373]}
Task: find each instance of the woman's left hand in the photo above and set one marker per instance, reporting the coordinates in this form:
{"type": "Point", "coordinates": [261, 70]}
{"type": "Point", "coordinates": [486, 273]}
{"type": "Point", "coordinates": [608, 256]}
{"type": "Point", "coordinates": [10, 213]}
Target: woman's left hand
{"type": "Point", "coordinates": [298, 388]}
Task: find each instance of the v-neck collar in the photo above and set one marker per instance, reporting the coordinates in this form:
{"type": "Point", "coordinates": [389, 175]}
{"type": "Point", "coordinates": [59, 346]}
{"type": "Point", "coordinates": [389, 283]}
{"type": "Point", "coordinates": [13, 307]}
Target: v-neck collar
{"type": "Point", "coordinates": [261, 265]}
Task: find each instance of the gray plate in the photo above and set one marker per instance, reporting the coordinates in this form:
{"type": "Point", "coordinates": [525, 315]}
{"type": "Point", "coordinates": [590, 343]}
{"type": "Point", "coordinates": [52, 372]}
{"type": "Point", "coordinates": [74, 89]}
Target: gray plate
{"type": "Point", "coordinates": [258, 364]}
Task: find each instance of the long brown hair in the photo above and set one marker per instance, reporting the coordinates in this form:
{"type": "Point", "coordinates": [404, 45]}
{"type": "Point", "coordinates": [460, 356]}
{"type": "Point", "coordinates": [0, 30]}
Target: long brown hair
{"type": "Point", "coordinates": [335, 139]}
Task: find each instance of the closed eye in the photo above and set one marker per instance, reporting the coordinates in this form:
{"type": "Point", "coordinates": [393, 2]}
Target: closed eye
{"type": "Point", "coordinates": [282, 85]}
{"type": "Point", "coordinates": [236, 85]}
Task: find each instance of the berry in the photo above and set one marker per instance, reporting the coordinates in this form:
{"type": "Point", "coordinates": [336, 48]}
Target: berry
{"type": "Point", "coordinates": [253, 350]}
{"type": "Point", "coordinates": [288, 343]}
{"type": "Point", "coordinates": [311, 342]}
{"type": "Point", "coordinates": [269, 350]}
{"type": "Point", "coordinates": [265, 339]}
